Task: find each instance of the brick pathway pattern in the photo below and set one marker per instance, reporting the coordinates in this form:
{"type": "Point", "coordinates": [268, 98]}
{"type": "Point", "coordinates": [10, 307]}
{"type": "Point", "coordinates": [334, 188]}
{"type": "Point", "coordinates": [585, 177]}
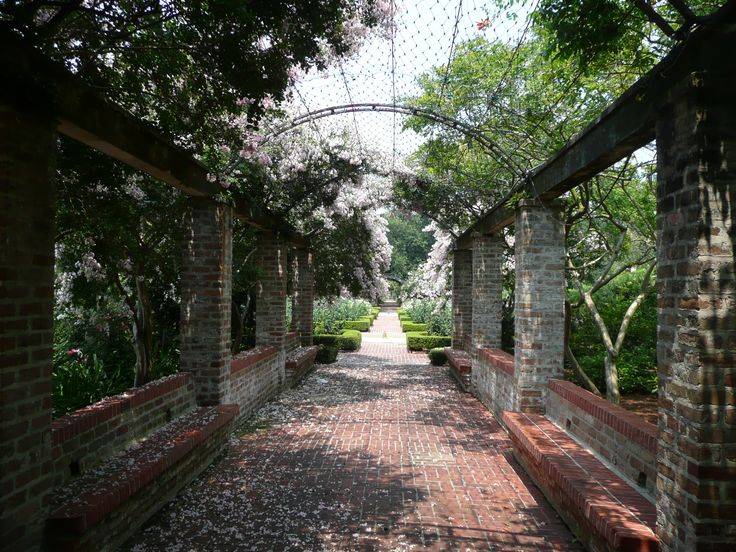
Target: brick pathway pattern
{"type": "Point", "coordinates": [380, 451]}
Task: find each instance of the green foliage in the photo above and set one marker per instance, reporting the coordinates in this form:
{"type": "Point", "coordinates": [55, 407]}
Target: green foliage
{"type": "Point", "coordinates": [414, 327]}
{"type": "Point", "coordinates": [326, 354]}
{"type": "Point", "coordinates": [638, 359]}
{"type": "Point", "coordinates": [362, 325]}
{"type": "Point", "coordinates": [441, 321]}
{"type": "Point", "coordinates": [437, 356]}
{"type": "Point", "coordinates": [348, 340]}
{"type": "Point", "coordinates": [410, 244]}
{"type": "Point", "coordinates": [420, 341]}
{"type": "Point", "coordinates": [420, 310]}
{"type": "Point", "coordinates": [331, 316]}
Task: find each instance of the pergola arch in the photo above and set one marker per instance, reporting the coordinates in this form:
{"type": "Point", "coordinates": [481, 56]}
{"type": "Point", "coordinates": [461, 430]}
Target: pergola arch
{"type": "Point", "coordinates": [450, 122]}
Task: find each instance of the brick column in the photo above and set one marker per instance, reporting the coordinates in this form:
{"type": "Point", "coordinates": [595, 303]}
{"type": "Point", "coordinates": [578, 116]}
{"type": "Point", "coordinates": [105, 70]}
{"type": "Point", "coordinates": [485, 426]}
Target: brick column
{"type": "Point", "coordinates": [696, 337]}
{"type": "Point", "coordinates": [487, 283]}
{"type": "Point", "coordinates": [206, 288]}
{"type": "Point", "coordinates": [271, 299]}
{"type": "Point", "coordinates": [462, 298]}
{"type": "Point", "coordinates": [26, 320]}
{"type": "Point", "coordinates": [302, 311]}
{"type": "Point", "coordinates": [539, 312]}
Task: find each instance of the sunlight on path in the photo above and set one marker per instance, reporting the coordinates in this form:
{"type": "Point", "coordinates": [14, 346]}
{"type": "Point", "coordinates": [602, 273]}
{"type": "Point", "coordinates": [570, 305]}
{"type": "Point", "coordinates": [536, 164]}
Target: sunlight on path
{"type": "Point", "coordinates": [380, 451]}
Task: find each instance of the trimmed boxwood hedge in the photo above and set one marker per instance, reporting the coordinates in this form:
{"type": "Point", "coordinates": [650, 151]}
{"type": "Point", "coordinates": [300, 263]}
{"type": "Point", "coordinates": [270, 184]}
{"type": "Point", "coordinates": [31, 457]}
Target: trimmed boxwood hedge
{"type": "Point", "coordinates": [362, 324]}
{"type": "Point", "coordinates": [349, 340]}
{"type": "Point", "coordinates": [414, 327]}
{"type": "Point", "coordinates": [326, 355]}
{"type": "Point", "coordinates": [437, 356]}
{"type": "Point", "coordinates": [420, 341]}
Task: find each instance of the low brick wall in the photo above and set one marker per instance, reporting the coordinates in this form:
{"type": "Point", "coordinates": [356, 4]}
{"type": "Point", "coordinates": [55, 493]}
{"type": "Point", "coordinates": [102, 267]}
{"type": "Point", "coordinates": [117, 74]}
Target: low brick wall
{"type": "Point", "coordinates": [254, 378]}
{"type": "Point", "coordinates": [291, 341]}
{"type": "Point", "coordinates": [493, 379]}
{"type": "Point", "coordinates": [83, 439]}
{"type": "Point", "coordinates": [617, 435]}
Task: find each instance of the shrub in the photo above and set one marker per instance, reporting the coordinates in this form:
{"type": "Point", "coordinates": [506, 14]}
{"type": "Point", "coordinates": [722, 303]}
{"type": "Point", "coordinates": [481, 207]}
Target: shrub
{"type": "Point", "coordinates": [420, 341]}
{"type": "Point", "coordinates": [330, 314]}
{"type": "Point", "coordinates": [348, 340]}
{"type": "Point", "coordinates": [437, 356]}
{"type": "Point", "coordinates": [420, 310]}
{"type": "Point", "coordinates": [326, 355]}
{"type": "Point", "coordinates": [440, 323]}
{"type": "Point", "coordinates": [362, 325]}
{"type": "Point", "coordinates": [414, 327]}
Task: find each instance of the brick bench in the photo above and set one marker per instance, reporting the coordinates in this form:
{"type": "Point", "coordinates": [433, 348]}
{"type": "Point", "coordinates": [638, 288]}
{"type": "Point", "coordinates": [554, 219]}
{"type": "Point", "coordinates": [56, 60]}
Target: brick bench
{"type": "Point", "coordinates": [460, 366]}
{"type": "Point", "coordinates": [102, 508]}
{"type": "Point", "coordinates": [299, 363]}
{"type": "Point", "coordinates": [604, 511]}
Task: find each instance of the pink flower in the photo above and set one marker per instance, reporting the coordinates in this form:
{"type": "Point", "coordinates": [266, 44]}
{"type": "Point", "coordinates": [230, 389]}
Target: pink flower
{"type": "Point", "coordinates": [483, 24]}
{"type": "Point", "coordinates": [74, 352]}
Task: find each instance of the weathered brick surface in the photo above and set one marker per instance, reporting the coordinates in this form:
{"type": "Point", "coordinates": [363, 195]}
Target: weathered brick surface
{"type": "Point", "coordinates": [83, 439]}
{"type": "Point", "coordinates": [206, 288]}
{"type": "Point", "coordinates": [460, 365]}
{"type": "Point", "coordinates": [380, 451]}
{"type": "Point", "coordinates": [299, 362]}
{"type": "Point", "coordinates": [291, 341]}
{"type": "Point", "coordinates": [303, 306]}
{"type": "Point", "coordinates": [255, 378]}
{"type": "Point", "coordinates": [696, 337]}
{"type": "Point", "coordinates": [26, 303]}
{"type": "Point", "coordinates": [271, 298]}
{"type": "Point", "coordinates": [99, 511]}
{"type": "Point", "coordinates": [539, 307]}
{"type": "Point", "coordinates": [603, 511]}
{"type": "Point", "coordinates": [621, 437]}
{"type": "Point", "coordinates": [462, 299]}
{"type": "Point", "coordinates": [493, 379]}
{"type": "Point", "coordinates": [487, 282]}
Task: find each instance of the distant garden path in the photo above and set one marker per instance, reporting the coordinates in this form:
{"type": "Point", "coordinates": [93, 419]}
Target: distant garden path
{"type": "Point", "coordinates": [380, 451]}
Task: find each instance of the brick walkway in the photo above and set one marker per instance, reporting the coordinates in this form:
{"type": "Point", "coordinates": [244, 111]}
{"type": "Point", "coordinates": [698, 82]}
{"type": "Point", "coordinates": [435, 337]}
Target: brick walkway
{"type": "Point", "coordinates": [380, 451]}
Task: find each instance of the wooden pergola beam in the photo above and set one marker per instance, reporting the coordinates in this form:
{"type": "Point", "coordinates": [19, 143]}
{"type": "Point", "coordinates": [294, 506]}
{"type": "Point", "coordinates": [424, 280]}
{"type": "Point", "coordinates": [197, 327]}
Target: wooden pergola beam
{"type": "Point", "coordinates": [41, 87]}
{"type": "Point", "coordinates": [628, 123]}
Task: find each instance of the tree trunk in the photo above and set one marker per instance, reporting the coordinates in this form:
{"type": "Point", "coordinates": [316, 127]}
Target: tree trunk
{"type": "Point", "coordinates": [612, 391]}
{"type": "Point", "coordinates": [142, 333]}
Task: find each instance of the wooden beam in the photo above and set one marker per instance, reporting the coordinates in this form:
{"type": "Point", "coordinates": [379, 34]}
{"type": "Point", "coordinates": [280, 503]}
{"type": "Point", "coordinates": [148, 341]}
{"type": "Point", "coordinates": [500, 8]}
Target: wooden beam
{"type": "Point", "coordinates": [43, 88]}
{"type": "Point", "coordinates": [628, 124]}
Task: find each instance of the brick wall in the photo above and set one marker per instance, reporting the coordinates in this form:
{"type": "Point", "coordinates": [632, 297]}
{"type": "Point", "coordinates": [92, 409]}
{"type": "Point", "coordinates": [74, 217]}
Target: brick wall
{"type": "Point", "coordinates": [271, 298]}
{"type": "Point", "coordinates": [493, 379]}
{"type": "Point", "coordinates": [206, 287]}
{"type": "Point", "coordinates": [539, 308]}
{"type": "Point", "coordinates": [291, 341]}
{"type": "Point", "coordinates": [486, 304]}
{"type": "Point", "coordinates": [462, 299]}
{"type": "Point", "coordinates": [255, 378]}
{"type": "Point", "coordinates": [303, 307]}
{"type": "Point", "coordinates": [696, 337]}
{"type": "Point", "coordinates": [620, 437]}
{"type": "Point", "coordinates": [26, 303]}
{"type": "Point", "coordinates": [83, 439]}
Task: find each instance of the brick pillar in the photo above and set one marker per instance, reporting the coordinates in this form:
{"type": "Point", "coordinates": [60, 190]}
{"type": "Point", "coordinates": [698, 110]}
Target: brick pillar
{"type": "Point", "coordinates": [26, 320]}
{"type": "Point", "coordinates": [462, 298]}
{"type": "Point", "coordinates": [539, 312]}
{"type": "Point", "coordinates": [696, 337]}
{"type": "Point", "coordinates": [271, 299]}
{"type": "Point", "coordinates": [302, 311]}
{"type": "Point", "coordinates": [487, 283]}
{"type": "Point", "coordinates": [206, 287]}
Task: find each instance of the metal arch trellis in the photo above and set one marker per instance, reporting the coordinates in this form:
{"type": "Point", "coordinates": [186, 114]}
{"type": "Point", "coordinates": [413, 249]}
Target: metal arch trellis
{"type": "Point", "coordinates": [450, 122]}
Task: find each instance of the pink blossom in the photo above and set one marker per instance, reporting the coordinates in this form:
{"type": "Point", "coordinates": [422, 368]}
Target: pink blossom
{"type": "Point", "coordinates": [483, 24]}
{"type": "Point", "coordinates": [74, 352]}
{"type": "Point", "coordinates": [242, 102]}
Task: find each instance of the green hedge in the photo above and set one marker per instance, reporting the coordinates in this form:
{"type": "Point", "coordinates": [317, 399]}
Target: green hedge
{"type": "Point", "coordinates": [362, 324]}
{"type": "Point", "coordinates": [350, 340]}
{"type": "Point", "coordinates": [420, 341]}
{"type": "Point", "coordinates": [414, 327]}
{"type": "Point", "coordinates": [326, 355]}
{"type": "Point", "coordinates": [437, 356]}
